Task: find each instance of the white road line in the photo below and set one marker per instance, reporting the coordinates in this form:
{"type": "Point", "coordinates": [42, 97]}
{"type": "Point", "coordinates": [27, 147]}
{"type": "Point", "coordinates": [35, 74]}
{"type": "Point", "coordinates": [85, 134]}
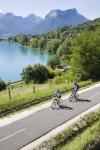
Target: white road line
{"type": "Point", "coordinates": [12, 134]}
{"type": "Point", "coordinates": [94, 96]}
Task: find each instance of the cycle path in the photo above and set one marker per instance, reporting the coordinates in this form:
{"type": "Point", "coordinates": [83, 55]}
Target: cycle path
{"type": "Point", "coordinates": [24, 131]}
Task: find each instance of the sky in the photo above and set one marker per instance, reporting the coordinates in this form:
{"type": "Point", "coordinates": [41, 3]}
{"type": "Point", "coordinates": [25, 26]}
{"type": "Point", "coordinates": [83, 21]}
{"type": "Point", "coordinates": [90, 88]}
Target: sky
{"type": "Point", "coordinates": [88, 8]}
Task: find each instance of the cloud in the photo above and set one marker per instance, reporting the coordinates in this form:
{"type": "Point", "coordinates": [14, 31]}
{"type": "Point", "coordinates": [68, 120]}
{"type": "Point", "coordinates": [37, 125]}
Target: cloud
{"type": "Point", "coordinates": [1, 11]}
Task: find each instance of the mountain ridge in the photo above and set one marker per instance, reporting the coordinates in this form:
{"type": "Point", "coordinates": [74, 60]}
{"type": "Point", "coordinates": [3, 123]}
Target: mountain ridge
{"type": "Point", "coordinates": [32, 24]}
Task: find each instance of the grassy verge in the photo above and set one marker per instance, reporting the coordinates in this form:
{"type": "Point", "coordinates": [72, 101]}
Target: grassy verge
{"type": "Point", "coordinates": [85, 140]}
{"type": "Point", "coordinates": [23, 94]}
{"type": "Point", "coordinates": [76, 137]}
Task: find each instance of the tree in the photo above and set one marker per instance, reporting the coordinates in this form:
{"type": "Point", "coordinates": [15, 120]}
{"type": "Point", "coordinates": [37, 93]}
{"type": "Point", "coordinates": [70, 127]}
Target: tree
{"type": "Point", "coordinates": [34, 43]}
{"type": "Point", "coordinates": [64, 51]}
{"type": "Point", "coordinates": [37, 73]}
{"type": "Point", "coordinates": [85, 61]}
{"type": "Point", "coordinates": [54, 61]}
{"type": "Point", "coordinates": [53, 45]}
{"type": "Point", "coordinates": [27, 74]}
{"type": "Point", "coordinates": [2, 85]}
{"type": "Point", "coordinates": [42, 43]}
{"type": "Point", "coordinates": [40, 73]}
{"type": "Point", "coordinates": [23, 39]}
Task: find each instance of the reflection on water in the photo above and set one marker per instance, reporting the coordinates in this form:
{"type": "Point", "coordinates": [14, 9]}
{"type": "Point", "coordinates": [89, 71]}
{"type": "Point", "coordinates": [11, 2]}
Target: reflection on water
{"type": "Point", "coordinates": [13, 58]}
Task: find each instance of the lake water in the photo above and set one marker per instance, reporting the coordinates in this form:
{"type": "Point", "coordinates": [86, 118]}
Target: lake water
{"type": "Point", "coordinates": [13, 58]}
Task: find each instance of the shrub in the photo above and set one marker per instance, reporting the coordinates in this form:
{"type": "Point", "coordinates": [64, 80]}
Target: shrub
{"type": "Point", "coordinates": [2, 85]}
{"type": "Point", "coordinates": [40, 73]}
{"type": "Point", "coordinates": [51, 72]}
{"type": "Point", "coordinates": [57, 72]}
{"type": "Point", "coordinates": [37, 73]}
{"type": "Point", "coordinates": [27, 74]}
{"type": "Point", "coordinates": [59, 80]}
{"type": "Point", "coordinates": [54, 62]}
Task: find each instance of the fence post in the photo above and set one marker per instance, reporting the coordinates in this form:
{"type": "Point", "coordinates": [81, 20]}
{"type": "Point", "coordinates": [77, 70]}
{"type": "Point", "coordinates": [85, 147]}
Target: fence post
{"type": "Point", "coordinates": [9, 93]}
{"type": "Point", "coordinates": [33, 88]}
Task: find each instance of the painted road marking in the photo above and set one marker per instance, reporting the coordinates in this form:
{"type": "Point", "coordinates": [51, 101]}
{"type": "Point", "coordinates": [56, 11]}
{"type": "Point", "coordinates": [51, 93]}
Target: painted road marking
{"type": "Point", "coordinates": [12, 134]}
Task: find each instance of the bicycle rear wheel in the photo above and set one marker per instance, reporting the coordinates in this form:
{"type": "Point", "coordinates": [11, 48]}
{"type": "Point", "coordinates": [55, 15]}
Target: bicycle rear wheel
{"type": "Point", "coordinates": [77, 96]}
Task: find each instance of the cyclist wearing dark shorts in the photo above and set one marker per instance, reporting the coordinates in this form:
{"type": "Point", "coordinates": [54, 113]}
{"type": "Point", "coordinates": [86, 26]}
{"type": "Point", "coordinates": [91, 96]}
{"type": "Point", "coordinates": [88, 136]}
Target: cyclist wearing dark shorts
{"type": "Point", "coordinates": [76, 87]}
{"type": "Point", "coordinates": [57, 94]}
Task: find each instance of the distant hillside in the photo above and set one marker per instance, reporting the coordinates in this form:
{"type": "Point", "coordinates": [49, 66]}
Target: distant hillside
{"type": "Point", "coordinates": [12, 25]}
{"type": "Point", "coordinates": [61, 34]}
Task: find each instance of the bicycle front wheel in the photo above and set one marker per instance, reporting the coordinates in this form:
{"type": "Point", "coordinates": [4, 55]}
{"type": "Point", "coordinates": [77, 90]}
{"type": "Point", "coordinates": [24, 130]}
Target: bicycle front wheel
{"type": "Point", "coordinates": [71, 98]}
{"type": "Point", "coordinates": [54, 105]}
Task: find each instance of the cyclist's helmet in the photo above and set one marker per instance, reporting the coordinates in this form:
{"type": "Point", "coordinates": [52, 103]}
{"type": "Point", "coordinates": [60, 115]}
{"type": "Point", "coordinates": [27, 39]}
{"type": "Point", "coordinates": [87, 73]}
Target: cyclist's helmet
{"type": "Point", "coordinates": [75, 82]}
{"type": "Point", "coordinates": [58, 90]}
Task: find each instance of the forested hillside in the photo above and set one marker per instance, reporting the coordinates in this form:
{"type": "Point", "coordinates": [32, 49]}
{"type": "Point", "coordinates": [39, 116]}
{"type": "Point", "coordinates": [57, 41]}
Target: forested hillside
{"type": "Point", "coordinates": [78, 46]}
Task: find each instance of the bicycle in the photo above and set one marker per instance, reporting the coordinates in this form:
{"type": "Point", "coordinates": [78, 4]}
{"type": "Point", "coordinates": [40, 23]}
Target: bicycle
{"type": "Point", "coordinates": [74, 96]}
{"type": "Point", "coordinates": [56, 103]}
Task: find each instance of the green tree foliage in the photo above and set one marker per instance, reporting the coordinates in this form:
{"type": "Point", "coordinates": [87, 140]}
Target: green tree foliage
{"type": "Point", "coordinates": [54, 61]}
{"type": "Point", "coordinates": [41, 73]}
{"type": "Point", "coordinates": [42, 43]}
{"type": "Point", "coordinates": [23, 39]}
{"type": "Point", "coordinates": [34, 42]}
{"type": "Point", "coordinates": [53, 45]}
{"type": "Point", "coordinates": [27, 74]}
{"type": "Point", "coordinates": [60, 41]}
{"type": "Point", "coordinates": [85, 62]}
{"type": "Point", "coordinates": [37, 73]}
{"type": "Point", "coordinates": [2, 85]}
{"type": "Point", "coordinates": [64, 50]}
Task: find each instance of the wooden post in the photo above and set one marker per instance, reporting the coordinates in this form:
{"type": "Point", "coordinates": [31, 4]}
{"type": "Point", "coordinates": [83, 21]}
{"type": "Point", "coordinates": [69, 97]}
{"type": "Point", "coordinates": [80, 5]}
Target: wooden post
{"type": "Point", "coordinates": [9, 93]}
{"type": "Point", "coordinates": [33, 88]}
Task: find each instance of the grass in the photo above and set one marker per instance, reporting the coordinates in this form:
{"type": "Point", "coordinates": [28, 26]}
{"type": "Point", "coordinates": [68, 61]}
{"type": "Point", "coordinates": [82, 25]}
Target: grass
{"type": "Point", "coordinates": [22, 93]}
{"type": "Point", "coordinates": [80, 142]}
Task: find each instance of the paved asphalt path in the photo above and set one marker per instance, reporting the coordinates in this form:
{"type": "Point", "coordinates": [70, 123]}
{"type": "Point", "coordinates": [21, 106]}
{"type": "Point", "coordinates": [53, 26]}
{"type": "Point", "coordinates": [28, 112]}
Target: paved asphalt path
{"type": "Point", "coordinates": [22, 132]}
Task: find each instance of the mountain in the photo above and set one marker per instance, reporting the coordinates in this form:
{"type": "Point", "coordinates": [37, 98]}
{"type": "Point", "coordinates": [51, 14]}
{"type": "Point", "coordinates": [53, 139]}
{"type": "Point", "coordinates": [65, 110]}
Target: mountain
{"type": "Point", "coordinates": [58, 18]}
{"type": "Point", "coordinates": [11, 24]}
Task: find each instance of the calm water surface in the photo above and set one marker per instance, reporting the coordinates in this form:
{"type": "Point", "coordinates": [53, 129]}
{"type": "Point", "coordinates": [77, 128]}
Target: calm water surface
{"type": "Point", "coordinates": [14, 58]}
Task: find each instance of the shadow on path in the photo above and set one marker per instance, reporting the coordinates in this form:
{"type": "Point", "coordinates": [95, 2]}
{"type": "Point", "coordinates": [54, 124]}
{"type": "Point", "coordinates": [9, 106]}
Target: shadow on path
{"type": "Point", "coordinates": [84, 100]}
{"type": "Point", "coordinates": [65, 107]}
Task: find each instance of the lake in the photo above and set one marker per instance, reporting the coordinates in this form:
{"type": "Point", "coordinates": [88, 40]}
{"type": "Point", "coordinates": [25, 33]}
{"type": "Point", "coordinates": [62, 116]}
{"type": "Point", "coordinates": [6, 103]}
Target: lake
{"type": "Point", "coordinates": [13, 58]}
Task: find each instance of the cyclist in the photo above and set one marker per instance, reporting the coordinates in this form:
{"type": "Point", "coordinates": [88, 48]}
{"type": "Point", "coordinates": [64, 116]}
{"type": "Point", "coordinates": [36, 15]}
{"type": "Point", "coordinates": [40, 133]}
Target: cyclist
{"type": "Point", "coordinates": [76, 87]}
{"type": "Point", "coordinates": [57, 99]}
{"type": "Point", "coordinates": [57, 94]}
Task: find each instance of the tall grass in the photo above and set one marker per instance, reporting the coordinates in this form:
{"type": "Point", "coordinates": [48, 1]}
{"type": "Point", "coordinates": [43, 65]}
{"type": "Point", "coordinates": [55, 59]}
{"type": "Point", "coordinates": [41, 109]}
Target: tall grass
{"type": "Point", "coordinates": [80, 142]}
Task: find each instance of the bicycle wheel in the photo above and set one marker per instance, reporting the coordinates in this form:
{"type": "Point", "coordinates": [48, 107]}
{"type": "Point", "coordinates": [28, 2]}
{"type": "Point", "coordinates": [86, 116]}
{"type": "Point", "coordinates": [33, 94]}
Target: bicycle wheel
{"type": "Point", "coordinates": [54, 105]}
{"type": "Point", "coordinates": [71, 98]}
{"type": "Point", "coordinates": [77, 96]}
